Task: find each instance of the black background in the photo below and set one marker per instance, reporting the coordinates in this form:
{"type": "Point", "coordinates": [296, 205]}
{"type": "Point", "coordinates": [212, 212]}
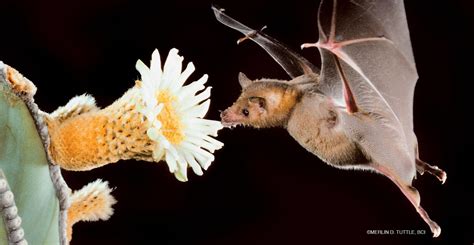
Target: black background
{"type": "Point", "coordinates": [263, 187]}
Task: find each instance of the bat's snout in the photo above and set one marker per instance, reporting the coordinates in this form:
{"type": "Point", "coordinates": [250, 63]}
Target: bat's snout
{"type": "Point", "coordinates": [229, 119]}
{"type": "Point", "coordinates": [224, 114]}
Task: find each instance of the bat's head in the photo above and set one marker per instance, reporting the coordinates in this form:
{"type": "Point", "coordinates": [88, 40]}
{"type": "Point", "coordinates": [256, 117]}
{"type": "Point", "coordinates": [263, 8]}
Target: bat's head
{"type": "Point", "coordinates": [263, 103]}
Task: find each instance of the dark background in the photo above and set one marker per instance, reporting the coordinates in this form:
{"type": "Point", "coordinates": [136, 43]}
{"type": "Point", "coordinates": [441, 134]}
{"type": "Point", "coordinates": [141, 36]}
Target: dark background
{"type": "Point", "coordinates": [263, 187]}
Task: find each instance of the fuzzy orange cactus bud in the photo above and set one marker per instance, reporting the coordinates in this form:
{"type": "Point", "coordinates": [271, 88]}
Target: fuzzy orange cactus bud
{"type": "Point", "coordinates": [160, 118]}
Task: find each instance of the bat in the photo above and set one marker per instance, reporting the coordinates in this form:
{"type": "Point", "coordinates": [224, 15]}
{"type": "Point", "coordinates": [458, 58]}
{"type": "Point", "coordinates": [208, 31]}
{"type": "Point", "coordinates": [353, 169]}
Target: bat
{"type": "Point", "coordinates": [357, 111]}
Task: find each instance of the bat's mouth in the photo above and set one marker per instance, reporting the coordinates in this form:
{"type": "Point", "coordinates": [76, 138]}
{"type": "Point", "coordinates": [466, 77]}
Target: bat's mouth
{"type": "Point", "coordinates": [229, 120]}
{"type": "Point", "coordinates": [230, 124]}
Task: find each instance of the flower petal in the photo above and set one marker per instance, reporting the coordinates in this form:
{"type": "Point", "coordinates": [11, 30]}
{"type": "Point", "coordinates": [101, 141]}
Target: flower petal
{"type": "Point", "coordinates": [194, 165]}
{"type": "Point", "coordinates": [174, 87]}
{"type": "Point", "coordinates": [153, 134]}
{"type": "Point", "coordinates": [158, 153]}
{"type": "Point", "coordinates": [198, 111]}
{"type": "Point", "coordinates": [142, 68]}
{"type": "Point", "coordinates": [192, 88]}
{"type": "Point", "coordinates": [172, 69]}
{"type": "Point", "coordinates": [171, 161]}
{"type": "Point", "coordinates": [196, 99]}
{"type": "Point", "coordinates": [181, 176]}
{"type": "Point", "coordinates": [188, 104]}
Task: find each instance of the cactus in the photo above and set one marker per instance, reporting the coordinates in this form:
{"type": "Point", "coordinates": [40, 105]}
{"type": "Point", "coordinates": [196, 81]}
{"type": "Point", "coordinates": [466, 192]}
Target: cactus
{"type": "Point", "coordinates": [158, 119]}
{"type": "Point", "coordinates": [24, 162]}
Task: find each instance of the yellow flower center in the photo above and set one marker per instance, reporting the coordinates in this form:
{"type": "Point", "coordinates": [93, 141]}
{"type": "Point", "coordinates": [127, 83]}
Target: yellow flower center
{"type": "Point", "coordinates": [172, 128]}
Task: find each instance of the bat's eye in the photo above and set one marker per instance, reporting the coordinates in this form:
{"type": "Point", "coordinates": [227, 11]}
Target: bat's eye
{"type": "Point", "coordinates": [245, 112]}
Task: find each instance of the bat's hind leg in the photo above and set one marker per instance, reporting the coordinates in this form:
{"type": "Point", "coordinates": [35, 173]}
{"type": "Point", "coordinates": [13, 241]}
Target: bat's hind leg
{"type": "Point", "coordinates": [412, 194]}
{"type": "Point", "coordinates": [423, 167]}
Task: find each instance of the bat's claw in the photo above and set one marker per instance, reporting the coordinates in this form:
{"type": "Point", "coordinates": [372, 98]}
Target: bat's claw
{"type": "Point", "coordinates": [217, 8]}
{"type": "Point", "coordinates": [246, 37]}
{"type": "Point", "coordinates": [250, 35]}
{"type": "Point", "coordinates": [443, 176]}
{"type": "Point", "coordinates": [309, 45]}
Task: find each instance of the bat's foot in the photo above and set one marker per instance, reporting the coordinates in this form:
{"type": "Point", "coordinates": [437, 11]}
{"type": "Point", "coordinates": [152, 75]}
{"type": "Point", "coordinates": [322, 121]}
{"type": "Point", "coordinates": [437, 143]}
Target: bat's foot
{"type": "Point", "coordinates": [414, 197]}
{"type": "Point", "coordinates": [412, 194]}
{"type": "Point", "coordinates": [435, 229]}
{"type": "Point", "coordinates": [423, 167]}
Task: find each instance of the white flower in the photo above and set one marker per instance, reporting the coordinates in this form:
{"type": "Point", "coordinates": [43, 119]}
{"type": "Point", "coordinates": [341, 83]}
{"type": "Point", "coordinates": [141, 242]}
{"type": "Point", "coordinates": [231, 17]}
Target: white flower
{"type": "Point", "coordinates": [174, 114]}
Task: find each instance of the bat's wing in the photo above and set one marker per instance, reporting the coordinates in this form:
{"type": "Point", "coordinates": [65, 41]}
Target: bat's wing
{"type": "Point", "coordinates": [368, 68]}
{"type": "Point", "coordinates": [293, 63]}
{"type": "Point", "coordinates": [367, 59]}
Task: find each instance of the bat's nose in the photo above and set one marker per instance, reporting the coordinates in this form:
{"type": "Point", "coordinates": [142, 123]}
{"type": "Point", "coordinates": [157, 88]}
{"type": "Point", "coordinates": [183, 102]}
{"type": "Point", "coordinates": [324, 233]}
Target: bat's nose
{"type": "Point", "coordinates": [223, 114]}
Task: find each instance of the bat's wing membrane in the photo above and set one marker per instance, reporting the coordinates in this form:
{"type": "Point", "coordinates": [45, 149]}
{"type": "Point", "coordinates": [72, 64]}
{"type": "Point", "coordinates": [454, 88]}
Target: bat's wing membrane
{"type": "Point", "coordinates": [293, 63]}
{"type": "Point", "coordinates": [368, 67]}
{"type": "Point", "coordinates": [367, 58]}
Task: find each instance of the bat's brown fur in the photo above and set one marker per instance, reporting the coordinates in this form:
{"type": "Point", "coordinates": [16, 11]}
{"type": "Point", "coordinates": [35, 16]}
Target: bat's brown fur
{"type": "Point", "coordinates": [315, 122]}
{"type": "Point", "coordinates": [369, 71]}
{"type": "Point", "coordinates": [310, 118]}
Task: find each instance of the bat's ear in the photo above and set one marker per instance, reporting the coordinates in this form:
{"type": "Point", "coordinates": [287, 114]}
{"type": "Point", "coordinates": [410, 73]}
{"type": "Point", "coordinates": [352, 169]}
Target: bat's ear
{"type": "Point", "coordinates": [244, 80]}
{"type": "Point", "coordinates": [261, 102]}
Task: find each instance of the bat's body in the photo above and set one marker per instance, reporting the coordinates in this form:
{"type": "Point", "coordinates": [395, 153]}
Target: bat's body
{"type": "Point", "coordinates": [310, 117]}
{"type": "Point", "coordinates": [319, 127]}
{"type": "Point", "coordinates": [357, 112]}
